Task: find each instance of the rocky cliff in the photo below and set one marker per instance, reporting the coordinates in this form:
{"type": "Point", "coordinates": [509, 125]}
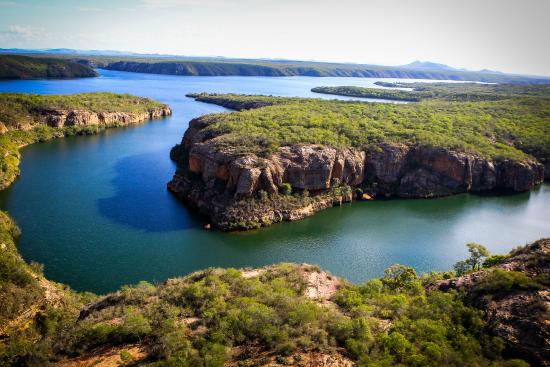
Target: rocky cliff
{"type": "Point", "coordinates": [218, 180]}
{"type": "Point", "coordinates": [61, 118]}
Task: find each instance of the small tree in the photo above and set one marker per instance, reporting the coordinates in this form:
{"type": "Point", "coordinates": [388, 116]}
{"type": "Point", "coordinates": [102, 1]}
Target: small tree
{"type": "Point", "coordinates": [477, 253]}
{"type": "Point", "coordinates": [398, 276]}
{"type": "Point", "coordinates": [462, 267]}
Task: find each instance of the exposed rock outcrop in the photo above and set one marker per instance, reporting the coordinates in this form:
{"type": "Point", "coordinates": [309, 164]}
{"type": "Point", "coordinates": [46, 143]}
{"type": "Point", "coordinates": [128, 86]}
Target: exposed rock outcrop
{"type": "Point", "coordinates": [214, 178]}
{"type": "Point", "coordinates": [520, 316]}
{"type": "Point", "coordinates": [61, 118]}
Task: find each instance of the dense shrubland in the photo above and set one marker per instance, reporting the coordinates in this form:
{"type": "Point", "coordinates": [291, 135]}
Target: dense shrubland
{"type": "Point", "coordinates": [18, 109]}
{"type": "Point", "coordinates": [507, 128]}
{"type": "Point", "coordinates": [461, 92]}
{"type": "Point", "coordinates": [256, 317]}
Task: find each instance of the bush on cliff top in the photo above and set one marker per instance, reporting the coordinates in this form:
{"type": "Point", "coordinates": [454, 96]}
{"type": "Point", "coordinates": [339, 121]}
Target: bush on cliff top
{"type": "Point", "coordinates": [509, 128]}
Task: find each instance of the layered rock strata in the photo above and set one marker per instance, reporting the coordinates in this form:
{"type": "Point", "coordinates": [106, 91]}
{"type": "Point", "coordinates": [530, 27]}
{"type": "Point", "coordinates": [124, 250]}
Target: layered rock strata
{"type": "Point", "coordinates": [61, 118]}
{"type": "Point", "coordinates": [214, 178]}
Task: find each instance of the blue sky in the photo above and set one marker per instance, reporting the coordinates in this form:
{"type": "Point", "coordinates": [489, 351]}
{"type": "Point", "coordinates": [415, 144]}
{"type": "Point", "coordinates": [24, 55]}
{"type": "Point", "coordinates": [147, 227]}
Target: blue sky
{"type": "Point", "coordinates": [506, 35]}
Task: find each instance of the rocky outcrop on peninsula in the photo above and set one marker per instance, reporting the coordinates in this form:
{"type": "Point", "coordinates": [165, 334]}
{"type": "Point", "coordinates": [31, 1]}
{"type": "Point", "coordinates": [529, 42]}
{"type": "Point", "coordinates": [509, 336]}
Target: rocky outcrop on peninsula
{"type": "Point", "coordinates": [28, 118]}
{"type": "Point", "coordinates": [220, 182]}
{"type": "Point", "coordinates": [61, 118]}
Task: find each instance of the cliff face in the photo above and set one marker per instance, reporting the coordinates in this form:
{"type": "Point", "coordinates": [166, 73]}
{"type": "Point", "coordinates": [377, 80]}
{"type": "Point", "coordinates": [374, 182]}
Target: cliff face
{"type": "Point", "coordinates": [213, 179]}
{"type": "Point", "coordinates": [61, 118]}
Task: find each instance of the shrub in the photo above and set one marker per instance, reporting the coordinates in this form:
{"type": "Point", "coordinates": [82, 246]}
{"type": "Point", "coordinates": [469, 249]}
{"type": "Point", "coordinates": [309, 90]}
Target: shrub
{"type": "Point", "coordinates": [398, 277]}
{"type": "Point", "coordinates": [285, 188]}
{"type": "Point", "coordinates": [493, 260]}
{"type": "Point", "coordinates": [498, 281]}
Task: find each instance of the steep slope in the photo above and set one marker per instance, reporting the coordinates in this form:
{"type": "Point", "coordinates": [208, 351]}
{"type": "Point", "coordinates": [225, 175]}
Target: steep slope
{"type": "Point", "coordinates": [515, 296]}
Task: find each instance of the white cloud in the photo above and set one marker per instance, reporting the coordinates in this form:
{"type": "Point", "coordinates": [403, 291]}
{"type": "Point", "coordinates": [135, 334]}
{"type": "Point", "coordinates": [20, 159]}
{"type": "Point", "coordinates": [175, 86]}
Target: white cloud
{"type": "Point", "coordinates": [22, 33]}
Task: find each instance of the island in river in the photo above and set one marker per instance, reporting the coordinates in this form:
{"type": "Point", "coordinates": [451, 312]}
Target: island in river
{"type": "Point", "coordinates": [286, 158]}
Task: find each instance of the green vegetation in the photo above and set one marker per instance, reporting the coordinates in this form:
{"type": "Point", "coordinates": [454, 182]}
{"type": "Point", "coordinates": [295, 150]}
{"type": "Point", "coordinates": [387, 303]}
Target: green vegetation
{"type": "Point", "coordinates": [18, 109]}
{"type": "Point", "coordinates": [508, 128]}
{"type": "Point", "coordinates": [285, 189]}
{"type": "Point", "coordinates": [23, 120]}
{"type": "Point", "coordinates": [360, 92]}
{"type": "Point", "coordinates": [477, 254]}
{"type": "Point", "coordinates": [198, 320]}
{"type": "Point", "coordinates": [461, 92]}
{"type": "Point", "coordinates": [24, 67]}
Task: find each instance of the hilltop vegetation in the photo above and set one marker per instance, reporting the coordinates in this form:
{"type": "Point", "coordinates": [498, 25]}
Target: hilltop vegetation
{"type": "Point", "coordinates": [30, 118]}
{"type": "Point", "coordinates": [507, 128]}
{"type": "Point", "coordinates": [24, 67]}
{"type": "Point", "coordinates": [18, 109]}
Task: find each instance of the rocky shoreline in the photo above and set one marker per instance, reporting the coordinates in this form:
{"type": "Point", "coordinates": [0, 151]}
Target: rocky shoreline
{"type": "Point", "coordinates": [239, 191]}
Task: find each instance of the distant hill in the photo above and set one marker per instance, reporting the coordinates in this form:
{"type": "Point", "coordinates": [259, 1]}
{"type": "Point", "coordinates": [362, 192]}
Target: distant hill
{"type": "Point", "coordinates": [221, 66]}
{"type": "Point", "coordinates": [26, 67]}
{"type": "Point", "coordinates": [429, 65]}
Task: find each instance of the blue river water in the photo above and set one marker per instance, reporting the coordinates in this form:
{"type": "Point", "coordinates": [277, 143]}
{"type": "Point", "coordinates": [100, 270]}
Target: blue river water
{"type": "Point", "coordinates": [95, 210]}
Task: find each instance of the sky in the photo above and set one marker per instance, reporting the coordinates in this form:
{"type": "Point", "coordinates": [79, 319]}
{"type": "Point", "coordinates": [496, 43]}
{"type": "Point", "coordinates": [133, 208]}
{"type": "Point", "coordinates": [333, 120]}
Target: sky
{"type": "Point", "coordinates": [504, 35]}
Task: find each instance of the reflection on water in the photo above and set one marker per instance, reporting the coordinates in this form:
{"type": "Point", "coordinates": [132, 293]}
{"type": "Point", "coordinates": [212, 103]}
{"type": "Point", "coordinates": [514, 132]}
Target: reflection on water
{"type": "Point", "coordinates": [95, 210]}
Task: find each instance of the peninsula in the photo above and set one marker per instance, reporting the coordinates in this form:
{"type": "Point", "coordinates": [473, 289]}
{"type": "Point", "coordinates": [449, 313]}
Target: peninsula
{"type": "Point", "coordinates": [30, 118]}
{"type": "Point", "coordinates": [285, 158]}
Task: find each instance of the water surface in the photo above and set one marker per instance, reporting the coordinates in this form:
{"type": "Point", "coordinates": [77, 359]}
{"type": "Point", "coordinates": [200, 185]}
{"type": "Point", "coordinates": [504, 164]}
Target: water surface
{"type": "Point", "coordinates": [95, 209]}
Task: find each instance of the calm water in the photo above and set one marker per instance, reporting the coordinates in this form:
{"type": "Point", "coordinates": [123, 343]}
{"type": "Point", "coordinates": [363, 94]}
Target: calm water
{"type": "Point", "coordinates": [96, 212]}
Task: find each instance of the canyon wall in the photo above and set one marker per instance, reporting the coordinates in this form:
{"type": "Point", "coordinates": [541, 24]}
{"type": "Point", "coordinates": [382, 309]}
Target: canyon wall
{"type": "Point", "coordinates": [213, 179]}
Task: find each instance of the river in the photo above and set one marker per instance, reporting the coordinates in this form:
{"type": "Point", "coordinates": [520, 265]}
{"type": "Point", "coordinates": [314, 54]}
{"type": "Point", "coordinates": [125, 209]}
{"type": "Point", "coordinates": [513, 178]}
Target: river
{"type": "Point", "coordinates": [95, 209]}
